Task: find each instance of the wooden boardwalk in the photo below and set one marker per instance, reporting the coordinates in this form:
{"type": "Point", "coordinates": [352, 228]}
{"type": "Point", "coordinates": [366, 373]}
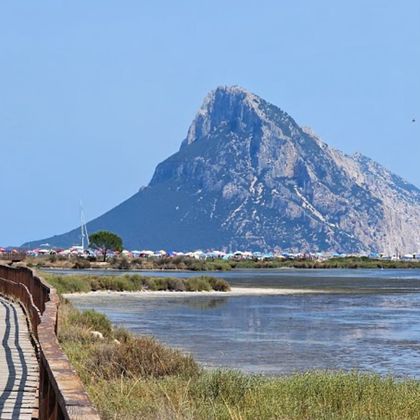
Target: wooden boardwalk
{"type": "Point", "coordinates": [19, 371]}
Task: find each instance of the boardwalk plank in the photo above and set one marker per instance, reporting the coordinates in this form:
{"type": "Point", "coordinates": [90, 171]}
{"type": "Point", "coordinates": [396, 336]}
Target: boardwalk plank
{"type": "Point", "coordinates": [19, 373]}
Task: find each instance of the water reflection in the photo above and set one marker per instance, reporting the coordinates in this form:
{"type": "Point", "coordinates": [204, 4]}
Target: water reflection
{"type": "Point", "coordinates": [281, 334]}
{"type": "Point", "coordinates": [206, 303]}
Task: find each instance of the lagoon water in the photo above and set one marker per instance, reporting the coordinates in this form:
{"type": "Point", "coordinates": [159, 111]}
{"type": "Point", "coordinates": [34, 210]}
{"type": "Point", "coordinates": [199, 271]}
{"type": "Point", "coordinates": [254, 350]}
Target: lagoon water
{"type": "Point", "coordinates": [356, 319]}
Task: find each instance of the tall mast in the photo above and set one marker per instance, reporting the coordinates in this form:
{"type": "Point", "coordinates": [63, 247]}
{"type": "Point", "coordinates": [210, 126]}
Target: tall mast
{"type": "Point", "coordinates": [83, 229]}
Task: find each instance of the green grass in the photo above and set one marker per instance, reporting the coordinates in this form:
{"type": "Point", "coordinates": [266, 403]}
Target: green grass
{"type": "Point", "coordinates": [132, 283]}
{"type": "Point", "coordinates": [231, 395]}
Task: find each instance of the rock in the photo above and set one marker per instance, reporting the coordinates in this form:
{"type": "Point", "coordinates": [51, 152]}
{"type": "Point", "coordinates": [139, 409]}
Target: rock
{"type": "Point", "coordinates": [97, 334]}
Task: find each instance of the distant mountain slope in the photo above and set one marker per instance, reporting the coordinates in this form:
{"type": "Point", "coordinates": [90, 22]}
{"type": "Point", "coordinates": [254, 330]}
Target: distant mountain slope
{"type": "Point", "coordinates": [248, 177]}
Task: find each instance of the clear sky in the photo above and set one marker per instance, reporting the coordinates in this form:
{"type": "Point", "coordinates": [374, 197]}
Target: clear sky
{"type": "Point", "coordinates": [93, 94]}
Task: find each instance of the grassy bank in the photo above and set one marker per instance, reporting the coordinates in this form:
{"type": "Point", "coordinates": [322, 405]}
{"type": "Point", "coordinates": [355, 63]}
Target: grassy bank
{"type": "Point", "coordinates": [348, 262]}
{"type": "Point", "coordinates": [191, 264]}
{"type": "Point", "coordinates": [131, 377]}
{"type": "Point", "coordinates": [134, 283]}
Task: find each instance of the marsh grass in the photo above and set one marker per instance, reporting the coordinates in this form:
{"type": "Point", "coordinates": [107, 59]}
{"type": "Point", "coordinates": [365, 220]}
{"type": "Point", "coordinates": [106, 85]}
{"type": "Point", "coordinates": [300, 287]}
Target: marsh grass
{"type": "Point", "coordinates": [119, 354]}
{"type": "Point", "coordinates": [132, 283]}
{"type": "Point", "coordinates": [231, 395]}
{"type": "Point", "coordinates": [339, 263]}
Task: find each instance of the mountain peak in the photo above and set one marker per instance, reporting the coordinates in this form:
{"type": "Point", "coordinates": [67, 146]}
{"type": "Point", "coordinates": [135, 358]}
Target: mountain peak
{"type": "Point", "coordinates": [233, 91]}
{"type": "Point", "coordinates": [248, 177]}
{"type": "Point", "coordinates": [230, 106]}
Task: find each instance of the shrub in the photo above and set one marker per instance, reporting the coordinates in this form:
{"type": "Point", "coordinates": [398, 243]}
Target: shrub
{"type": "Point", "coordinates": [122, 335]}
{"type": "Point", "coordinates": [69, 284]}
{"type": "Point", "coordinates": [131, 283]}
{"type": "Point", "coordinates": [176, 284]}
{"type": "Point", "coordinates": [140, 356]}
{"type": "Point", "coordinates": [160, 283]}
{"type": "Point", "coordinates": [198, 284]}
{"type": "Point", "coordinates": [94, 284]}
{"type": "Point", "coordinates": [81, 263]}
{"type": "Point", "coordinates": [220, 266]}
{"type": "Point", "coordinates": [123, 264]}
{"type": "Point", "coordinates": [220, 285]}
{"type": "Point", "coordinates": [91, 320]}
{"type": "Point", "coordinates": [121, 284]}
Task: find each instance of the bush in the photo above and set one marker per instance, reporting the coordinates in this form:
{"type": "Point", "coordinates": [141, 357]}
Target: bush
{"type": "Point", "coordinates": [155, 284]}
{"type": "Point", "coordinates": [118, 284]}
{"type": "Point", "coordinates": [220, 285]}
{"type": "Point", "coordinates": [69, 284]}
{"type": "Point", "coordinates": [122, 335]}
{"type": "Point", "coordinates": [131, 283]}
{"type": "Point", "coordinates": [140, 356]}
{"type": "Point", "coordinates": [198, 284]}
{"type": "Point", "coordinates": [91, 320]}
{"type": "Point", "coordinates": [176, 284]}
{"type": "Point", "coordinates": [122, 263]}
{"type": "Point", "coordinates": [81, 263]}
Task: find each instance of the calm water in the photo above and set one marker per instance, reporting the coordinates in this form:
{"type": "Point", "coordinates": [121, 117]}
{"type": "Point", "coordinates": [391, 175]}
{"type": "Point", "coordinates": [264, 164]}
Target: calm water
{"type": "Point", "coordinates": [369, 320]}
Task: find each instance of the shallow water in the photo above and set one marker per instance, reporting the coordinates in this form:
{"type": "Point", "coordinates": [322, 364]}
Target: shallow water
{"type": "Point", "coordinates": [369, 321]}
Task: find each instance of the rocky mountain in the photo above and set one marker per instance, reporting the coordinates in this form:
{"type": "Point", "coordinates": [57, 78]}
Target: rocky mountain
{"type": "Point", "coordinates": [247, 176]}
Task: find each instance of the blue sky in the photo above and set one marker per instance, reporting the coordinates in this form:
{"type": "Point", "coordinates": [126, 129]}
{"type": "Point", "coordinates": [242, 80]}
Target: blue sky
{"type": "Point", "coordinates": [93, 94]}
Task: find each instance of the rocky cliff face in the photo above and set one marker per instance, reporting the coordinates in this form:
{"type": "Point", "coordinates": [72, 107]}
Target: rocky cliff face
{"type": "Point", "coordinates": [247, 176]}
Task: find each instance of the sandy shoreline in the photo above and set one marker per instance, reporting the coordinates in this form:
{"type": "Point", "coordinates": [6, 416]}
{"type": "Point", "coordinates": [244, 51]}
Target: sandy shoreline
{"type": "Point", "coordinates": [235, 291]}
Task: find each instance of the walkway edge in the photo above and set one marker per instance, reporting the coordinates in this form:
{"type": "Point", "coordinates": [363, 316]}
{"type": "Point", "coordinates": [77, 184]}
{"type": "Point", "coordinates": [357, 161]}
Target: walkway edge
{"type": "Point", "coordinates": [61, 392]}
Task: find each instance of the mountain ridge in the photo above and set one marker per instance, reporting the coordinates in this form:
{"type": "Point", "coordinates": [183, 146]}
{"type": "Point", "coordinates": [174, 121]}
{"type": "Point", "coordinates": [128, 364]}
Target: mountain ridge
{"type": "Point", "coordinates": [247, 176]}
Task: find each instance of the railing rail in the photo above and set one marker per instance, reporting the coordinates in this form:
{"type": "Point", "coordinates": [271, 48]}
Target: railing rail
{"type": "Point", "coordinates": [61, 392]}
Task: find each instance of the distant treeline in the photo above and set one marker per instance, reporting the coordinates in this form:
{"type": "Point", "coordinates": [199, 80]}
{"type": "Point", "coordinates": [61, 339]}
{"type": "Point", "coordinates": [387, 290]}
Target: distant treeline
{"type": "Point", "coordinates": [192, 264]}
{"type": "Point", "coordinates": [347, 262]}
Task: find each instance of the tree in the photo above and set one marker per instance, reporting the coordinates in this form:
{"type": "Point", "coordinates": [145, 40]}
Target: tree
{"type": "Point", "coordinates": [105, 241]}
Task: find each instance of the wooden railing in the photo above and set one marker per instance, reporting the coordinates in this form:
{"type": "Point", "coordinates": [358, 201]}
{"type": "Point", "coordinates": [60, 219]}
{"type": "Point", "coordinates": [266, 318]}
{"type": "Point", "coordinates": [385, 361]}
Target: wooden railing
{"type": "Point", "coordinates": [61, 392]}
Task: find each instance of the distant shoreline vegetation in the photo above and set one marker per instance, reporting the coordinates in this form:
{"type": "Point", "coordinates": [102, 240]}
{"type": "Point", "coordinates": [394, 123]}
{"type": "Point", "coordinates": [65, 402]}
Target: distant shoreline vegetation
{"type": "Point", "coordinates": [192, 264]}
{"type": "Point", "coordinates": [134, 283]}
